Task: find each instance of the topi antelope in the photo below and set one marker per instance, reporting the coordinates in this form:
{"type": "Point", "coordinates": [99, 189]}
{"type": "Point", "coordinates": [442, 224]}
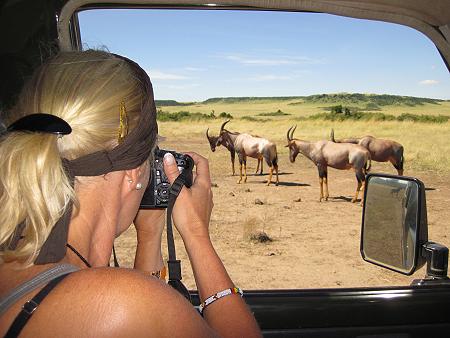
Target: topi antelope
{"type": "Point", "coordinates": [326, 154]}
{"type": "Point", "coordinates": [215, 141]}
{"type": "Point", "coordinates": [229, 145]}
{"type": "Point", "coordinates": [380, 150]}
{"type": "Point", "coordinates": [246, 145]}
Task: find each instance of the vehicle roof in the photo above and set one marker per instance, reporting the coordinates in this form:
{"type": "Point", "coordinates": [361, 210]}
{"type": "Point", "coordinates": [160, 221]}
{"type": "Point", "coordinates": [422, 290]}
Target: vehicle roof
{"type": "Point", "coordinates": [432, 19]}
{"type": "Point", "coordinates": [27, 37]}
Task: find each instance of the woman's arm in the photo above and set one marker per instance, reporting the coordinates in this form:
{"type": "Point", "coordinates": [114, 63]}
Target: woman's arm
{"type": "Point", "coordinates": [229, 315]}
{"type": "Point", "coordinates": [149, 226]}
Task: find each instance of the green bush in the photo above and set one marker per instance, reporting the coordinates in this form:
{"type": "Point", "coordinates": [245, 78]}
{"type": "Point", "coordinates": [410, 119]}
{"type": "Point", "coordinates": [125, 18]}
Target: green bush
{"type": "Point", "coordinates": [249, 118]}
{"type": "Point", "coordinates": [423, 118]}
{"type": "Point", "coordinates": [182, 116]}
{"type": "Point", "coordinates": [253, 119]}
{"type": "Point", "coordinates": [337, 109]}
{"type": "Point", "coordinates": [224, 115]}
{"type": "Point", "coordinates": [364, 116]}
{"type": "Point", "coordinates": [187, 116]}
{"type": "Point", "coordinates": [275, 113]}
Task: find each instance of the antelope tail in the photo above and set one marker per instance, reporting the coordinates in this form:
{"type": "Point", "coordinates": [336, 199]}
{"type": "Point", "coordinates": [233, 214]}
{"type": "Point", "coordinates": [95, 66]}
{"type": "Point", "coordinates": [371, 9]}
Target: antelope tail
{"type": "Point", "coordinates": [332, 136]}
{"type": "Point", "coordinates": [368, 164]}
{"type": "Point", "coordinates": [402, 160]}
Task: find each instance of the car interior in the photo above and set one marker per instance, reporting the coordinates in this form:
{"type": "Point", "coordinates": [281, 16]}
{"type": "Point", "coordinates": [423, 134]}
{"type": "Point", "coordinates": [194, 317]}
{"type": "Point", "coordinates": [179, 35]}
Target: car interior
{"type": "Point", "coordinates": [401, 244]}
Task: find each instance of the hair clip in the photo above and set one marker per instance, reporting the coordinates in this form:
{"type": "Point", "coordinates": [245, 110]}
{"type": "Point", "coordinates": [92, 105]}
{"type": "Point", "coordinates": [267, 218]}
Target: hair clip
{"type": "Point", "coordinates": [41, 123]}
{"type": "Point", "coordinates": [123, 122]}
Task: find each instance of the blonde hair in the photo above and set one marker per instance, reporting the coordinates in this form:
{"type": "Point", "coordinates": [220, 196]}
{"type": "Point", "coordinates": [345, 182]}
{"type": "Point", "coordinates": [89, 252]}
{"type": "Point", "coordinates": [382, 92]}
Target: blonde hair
{"type": "Point", "coordinates": [85, 89]}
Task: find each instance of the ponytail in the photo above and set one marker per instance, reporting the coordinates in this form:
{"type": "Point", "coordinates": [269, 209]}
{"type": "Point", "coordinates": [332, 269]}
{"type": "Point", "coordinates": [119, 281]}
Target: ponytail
{"type": "Point", "coordinates": [34, 191]}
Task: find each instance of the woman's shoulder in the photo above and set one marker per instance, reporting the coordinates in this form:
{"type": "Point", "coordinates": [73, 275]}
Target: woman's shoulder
{"type": "Point", "coordinates": [111, 301]}
{"type": "Point", "coordinates": [119, 284]}
{"type": "Point", "coordinates": [108, 281]}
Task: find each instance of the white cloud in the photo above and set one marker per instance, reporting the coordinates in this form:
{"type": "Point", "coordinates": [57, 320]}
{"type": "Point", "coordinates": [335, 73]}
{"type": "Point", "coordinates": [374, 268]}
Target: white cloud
{"type": "Point", "coordinates": [159, 75]}
{"type": "Point", "coordinates": [195, 69]}
{"type": "Point", "coordinates": [276, 61]}
{"type": "Point", "coordinates": [270, 78]}
{"type": "Point", "coordinates": [428, 82]}
{"type": "Point", "coordinates": [182, 87]}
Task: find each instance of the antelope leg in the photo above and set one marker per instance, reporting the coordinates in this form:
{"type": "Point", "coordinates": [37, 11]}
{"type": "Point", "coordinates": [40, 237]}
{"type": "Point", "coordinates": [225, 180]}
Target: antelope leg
{"type": "Point", "coordinates": [270, 176]}
{"type": "Point", "coordinates": [276, 172]}
{"type": "Point", "coordinates": [362, 191]}
{"type": "Point", "coordinates": [325, 181]}
{"type": "Point", "coordinates": [245, 171]}
{"type": "Point", "coordinates": [240, 173]}
{"type": "Point", "coordinates": [321, 188]}
{"type": "Point", "coordinates": [322, 176]}
{"type": "Point", "coordinates": [357, 192]}
{"type": "Point", "coordinates": [261, 172]}
{"type": "Point", "coordinates": [257, 167]}
{"type": "Point", "coordinates": [232, 162]}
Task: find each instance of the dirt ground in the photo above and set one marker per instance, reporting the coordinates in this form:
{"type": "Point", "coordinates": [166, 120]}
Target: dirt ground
{"type": "Point", "coordinates": [314, 245]}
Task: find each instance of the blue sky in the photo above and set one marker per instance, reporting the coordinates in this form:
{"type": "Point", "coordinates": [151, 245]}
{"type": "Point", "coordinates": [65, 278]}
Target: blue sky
{"type": "Point", "coordinates": [196, 55]}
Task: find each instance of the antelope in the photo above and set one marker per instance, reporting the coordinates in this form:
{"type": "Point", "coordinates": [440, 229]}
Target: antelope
{"type": "Point", "coordinates": [213, 143]}
{"type": "Point", "coordinates": [380, 150]}
{"type": "Point", "coordinates": [229, 145]}
{"type": "Point", "coordinates": [246, 145]}
{"type": "Point", "coordinates": [326, 154]}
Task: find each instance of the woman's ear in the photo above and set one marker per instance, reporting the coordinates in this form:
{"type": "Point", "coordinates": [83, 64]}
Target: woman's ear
{"type": "Point", "coordinates": [131, 178]}
{"type": "Point", "coordinates": [138, 177]}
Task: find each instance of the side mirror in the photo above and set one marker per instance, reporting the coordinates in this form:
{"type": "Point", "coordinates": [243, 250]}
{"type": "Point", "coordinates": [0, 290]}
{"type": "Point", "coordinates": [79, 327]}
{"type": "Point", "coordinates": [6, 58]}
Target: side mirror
{"type": "Point", "coordinates": [394, 225]}
{"type": "Point", "coordinates": [395, 231]}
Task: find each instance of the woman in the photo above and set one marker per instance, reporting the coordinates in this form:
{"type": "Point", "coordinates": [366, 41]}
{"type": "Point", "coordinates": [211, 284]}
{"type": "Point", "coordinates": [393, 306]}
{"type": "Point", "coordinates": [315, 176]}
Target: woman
{"type": "Point", "coordinates": [65, 196]}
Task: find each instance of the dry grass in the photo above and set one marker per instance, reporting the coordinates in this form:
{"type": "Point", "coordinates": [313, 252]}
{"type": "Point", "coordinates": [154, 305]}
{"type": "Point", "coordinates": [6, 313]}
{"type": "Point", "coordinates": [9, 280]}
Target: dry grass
{"type": "Point", "coordinates": [427, 145]}
{"type": "Point", "coordinates": [298, 109]}
{"type": "Point", "coordinates": [309, 238]}
{"type": "Point", "coordinates": [249, 227]}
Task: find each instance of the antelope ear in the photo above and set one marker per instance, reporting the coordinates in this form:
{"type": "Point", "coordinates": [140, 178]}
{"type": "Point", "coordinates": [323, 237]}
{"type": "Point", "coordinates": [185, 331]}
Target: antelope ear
{"type": "Point", "coordinates": [286, 146]}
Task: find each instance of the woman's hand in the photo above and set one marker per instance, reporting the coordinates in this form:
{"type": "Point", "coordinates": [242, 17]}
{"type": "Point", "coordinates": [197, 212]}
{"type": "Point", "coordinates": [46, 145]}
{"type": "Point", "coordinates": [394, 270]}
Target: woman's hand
{"type": "Point", "coordinates": [193, 206]}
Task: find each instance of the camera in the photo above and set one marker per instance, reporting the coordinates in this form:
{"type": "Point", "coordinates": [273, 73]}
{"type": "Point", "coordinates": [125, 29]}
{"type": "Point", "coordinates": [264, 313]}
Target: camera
{"type": "Point", "coordinates": [156, 196]}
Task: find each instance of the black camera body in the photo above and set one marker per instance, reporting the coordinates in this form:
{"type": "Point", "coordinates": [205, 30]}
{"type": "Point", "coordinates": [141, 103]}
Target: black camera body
{"type": "Point", "coordinates": [156, 196]}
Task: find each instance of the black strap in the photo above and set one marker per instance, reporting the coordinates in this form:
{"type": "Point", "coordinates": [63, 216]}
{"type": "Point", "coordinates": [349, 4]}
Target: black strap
{"type": "Point", "coordinates": [174, 264]}
{"type": "Point", "coordinates": [116, 262]}
{"type": "Point", "coordinates": [29, 307]}
{"type": "Point", "coordinates": [80, 256]}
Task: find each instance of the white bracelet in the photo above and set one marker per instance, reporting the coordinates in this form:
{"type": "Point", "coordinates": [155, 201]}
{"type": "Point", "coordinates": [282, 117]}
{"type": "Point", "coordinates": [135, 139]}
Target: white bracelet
{"type": "Point", "coordinates": [218, 295]}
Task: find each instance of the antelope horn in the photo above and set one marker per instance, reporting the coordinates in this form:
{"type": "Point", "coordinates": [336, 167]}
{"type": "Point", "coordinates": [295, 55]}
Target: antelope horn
{"type": "Point", "coordinates": [292, 132]}
{"type": "Point", "coordinates": [332, 135]}
{"type": "Point", "coordinates": [223, 124]}
{"type": "Point", "coordinates": [207, 135]}
{"type": "Point", "coordinates": [288, 138]}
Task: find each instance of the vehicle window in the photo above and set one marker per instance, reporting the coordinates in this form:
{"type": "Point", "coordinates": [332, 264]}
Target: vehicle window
{"type": "Point", "coordinates": [266, 72]}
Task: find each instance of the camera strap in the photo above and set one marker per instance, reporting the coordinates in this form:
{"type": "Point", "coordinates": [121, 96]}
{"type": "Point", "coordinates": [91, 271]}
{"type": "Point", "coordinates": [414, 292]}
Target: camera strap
{"type": "Point", "coordinates": [174, 264]}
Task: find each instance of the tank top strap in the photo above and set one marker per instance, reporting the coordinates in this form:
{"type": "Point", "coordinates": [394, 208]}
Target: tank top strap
{"type": "Point", "coordinates": [37, 281]}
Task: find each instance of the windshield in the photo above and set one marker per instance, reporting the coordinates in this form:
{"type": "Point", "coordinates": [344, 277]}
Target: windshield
{"type": "Point", "coordinates": [266, 72]}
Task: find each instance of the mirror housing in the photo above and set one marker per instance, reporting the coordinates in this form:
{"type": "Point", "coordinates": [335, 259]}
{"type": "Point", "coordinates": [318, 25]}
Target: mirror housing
{"type": "Point", "coordinates": [394, 223]}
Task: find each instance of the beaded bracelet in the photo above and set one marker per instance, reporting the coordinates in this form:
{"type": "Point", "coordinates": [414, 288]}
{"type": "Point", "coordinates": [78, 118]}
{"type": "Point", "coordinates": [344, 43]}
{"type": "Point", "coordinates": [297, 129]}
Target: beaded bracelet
{"type": "Point", "coordinates": [218, 295]}
{"type": "Point", "coordinates": [160, 274]}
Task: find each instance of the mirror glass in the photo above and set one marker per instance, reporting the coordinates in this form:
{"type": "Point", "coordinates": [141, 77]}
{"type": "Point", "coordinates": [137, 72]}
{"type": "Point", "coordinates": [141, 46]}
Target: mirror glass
{"type": "Point", "coordinates": [390, 223]}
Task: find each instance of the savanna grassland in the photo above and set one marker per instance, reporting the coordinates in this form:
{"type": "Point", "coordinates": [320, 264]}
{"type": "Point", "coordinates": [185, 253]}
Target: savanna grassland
{"type": "Point", "coordinates": [288, 239]}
